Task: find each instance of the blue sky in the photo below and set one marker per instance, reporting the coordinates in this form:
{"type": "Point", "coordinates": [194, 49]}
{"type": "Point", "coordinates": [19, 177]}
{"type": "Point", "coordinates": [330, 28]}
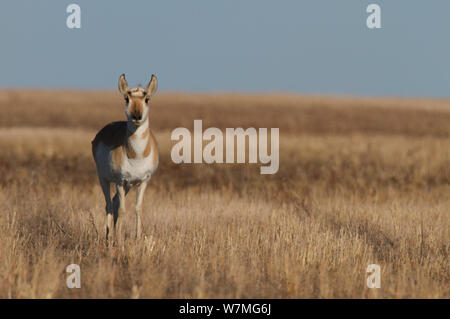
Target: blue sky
{"type": "Point", "coordinates": [309, 46]}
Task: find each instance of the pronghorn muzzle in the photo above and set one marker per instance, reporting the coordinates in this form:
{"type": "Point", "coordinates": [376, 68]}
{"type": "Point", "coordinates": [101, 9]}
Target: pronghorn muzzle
{"type": "Point", "coordinates": [136, 116]}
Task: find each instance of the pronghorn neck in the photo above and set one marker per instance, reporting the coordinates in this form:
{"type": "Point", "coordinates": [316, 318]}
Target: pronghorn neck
{"type": "Point", "coordinates": [138, 139]}
{"type": "Point", "coordinates": [136, 131]}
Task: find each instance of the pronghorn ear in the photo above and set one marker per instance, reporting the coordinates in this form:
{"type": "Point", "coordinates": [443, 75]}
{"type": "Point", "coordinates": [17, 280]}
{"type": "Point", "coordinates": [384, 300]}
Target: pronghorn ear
{"type": "Point", "coordinates": [123, 85]}
{"type": "Point", "coordinates": [152, 86]}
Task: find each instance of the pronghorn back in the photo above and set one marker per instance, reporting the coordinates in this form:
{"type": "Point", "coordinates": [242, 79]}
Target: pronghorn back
{"type": "Point", "coordinates": [112, 135]}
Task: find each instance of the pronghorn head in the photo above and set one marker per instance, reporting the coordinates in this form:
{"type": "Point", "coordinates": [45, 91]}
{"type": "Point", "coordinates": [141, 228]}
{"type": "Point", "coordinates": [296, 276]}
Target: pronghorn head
{"type": "Point", "coordinates": [137, 99]}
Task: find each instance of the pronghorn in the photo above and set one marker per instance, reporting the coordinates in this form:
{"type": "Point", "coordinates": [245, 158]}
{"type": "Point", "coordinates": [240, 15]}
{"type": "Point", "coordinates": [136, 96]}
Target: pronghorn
{"type": "Point", "coordinates": [126, 153]}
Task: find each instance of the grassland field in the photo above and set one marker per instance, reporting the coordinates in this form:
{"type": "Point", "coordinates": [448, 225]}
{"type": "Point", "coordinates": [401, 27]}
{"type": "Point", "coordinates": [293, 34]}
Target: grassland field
{"type": "Point", "coordinates": [361, 181]}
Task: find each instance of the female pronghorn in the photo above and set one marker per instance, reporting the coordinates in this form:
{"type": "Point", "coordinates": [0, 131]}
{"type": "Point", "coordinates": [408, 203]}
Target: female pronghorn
{"type": "Point", "coordinates": [126, 153]}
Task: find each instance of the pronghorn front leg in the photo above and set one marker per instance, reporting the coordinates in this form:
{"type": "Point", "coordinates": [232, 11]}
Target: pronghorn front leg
{"type": "Point", "coordinates": [139, 198]}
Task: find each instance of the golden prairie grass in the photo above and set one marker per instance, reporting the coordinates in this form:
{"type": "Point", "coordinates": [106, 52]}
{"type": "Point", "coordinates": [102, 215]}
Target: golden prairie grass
{"type": "Point", "coordinates": [361, 181]}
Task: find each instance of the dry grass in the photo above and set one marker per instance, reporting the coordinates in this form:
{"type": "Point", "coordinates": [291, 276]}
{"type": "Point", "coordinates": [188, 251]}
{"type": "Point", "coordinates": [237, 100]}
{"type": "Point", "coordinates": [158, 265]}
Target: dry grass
{"type": "Point", "coordinates": [361, 181]}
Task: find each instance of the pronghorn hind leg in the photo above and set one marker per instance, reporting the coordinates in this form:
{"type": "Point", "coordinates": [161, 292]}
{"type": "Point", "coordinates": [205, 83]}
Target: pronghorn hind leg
{"type": "Point", "coordinates": [139, 198]}
{"type": "Point", "coordinates": [106, 188]}
{"type": "Point", "coordinates": [116, 201]}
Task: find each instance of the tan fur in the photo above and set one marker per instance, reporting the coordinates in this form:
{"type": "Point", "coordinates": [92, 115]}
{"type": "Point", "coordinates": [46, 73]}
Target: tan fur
{"type": "Point", "coordinates": [154, 146]}
{"type": "Point", "coordinates": [145, 134]}
{"type": "Point", "coordinates": [130, 151]}
{"type": "Point", "coordinates": [147, 149]}
{"type": "Point", "coordinates": [117, 158]}
{"type": "Point", "coordinates": [136, 105]}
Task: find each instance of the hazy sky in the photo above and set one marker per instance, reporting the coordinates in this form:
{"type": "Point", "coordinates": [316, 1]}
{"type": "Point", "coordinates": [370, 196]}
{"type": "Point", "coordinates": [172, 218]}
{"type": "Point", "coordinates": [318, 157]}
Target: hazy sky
{"type": "Point", "coordinates": [303, 46]}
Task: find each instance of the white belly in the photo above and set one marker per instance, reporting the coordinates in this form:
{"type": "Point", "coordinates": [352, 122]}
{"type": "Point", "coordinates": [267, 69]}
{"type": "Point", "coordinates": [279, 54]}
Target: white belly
{"type": "Point", "coordinates": [138, 169]}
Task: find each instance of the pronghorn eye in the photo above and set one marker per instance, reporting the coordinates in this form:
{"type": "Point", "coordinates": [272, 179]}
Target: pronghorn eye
{"type": "Point", "coordinates": [147, 99]}
{"type": "Point", "coordinates": [127, 99]}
